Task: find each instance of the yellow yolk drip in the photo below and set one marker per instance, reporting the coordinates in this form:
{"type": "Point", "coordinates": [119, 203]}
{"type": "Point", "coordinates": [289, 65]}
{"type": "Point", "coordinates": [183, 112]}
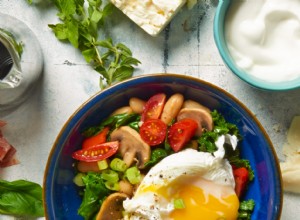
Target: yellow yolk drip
{"type": "Point", "coordinates": [199, 206]}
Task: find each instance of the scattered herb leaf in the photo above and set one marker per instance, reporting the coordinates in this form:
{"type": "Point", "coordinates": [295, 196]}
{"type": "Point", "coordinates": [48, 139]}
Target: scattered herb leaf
{"type": "Point", "coordinates": [81, 20]}
{"type": "Point", "coordinates": [21, 198]}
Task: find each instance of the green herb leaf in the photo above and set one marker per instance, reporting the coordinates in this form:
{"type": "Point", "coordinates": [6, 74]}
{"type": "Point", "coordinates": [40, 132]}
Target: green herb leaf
{"type": "Point", "coordinates": [60, 31]}
{"type": "Point", "coordinates": [245, 210]}
{"type": "Point", "coordinates": [80, 26]}
{"type": "Point", "coordinates": [21, 198]}
{"type": "Point", "coordinates": [221, 127]}
{"type": "Point", "coordinates": [156, 155]}
{"type": "Point", "coordinates": [113, 122]}
{"type": "Point", "coordinates": [94, 194]}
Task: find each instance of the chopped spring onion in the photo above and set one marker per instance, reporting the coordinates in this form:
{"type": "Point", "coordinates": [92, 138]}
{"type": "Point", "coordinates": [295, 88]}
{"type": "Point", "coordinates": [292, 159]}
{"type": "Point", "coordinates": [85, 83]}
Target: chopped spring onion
{"type": "Point", "coordinates": [179, 204]}
{"type": "Point", "coordinates": [110, 176]}
{"type": "Point", "coordinates": [133, 175]}
{"type": "Point", "coordinates": [102, 164]}
{"type": "Point", "coordinates": [112, 186]}
{"type": "Point", "coordinates": [118, 165]}
{"type": "Point", "coordinates": [78, 179]}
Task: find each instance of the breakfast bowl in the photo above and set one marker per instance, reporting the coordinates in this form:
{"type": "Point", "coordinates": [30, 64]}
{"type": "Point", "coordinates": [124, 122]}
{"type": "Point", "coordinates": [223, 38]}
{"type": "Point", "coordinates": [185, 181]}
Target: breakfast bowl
{"type": "Point", "coordinates": [61, 196]}
{"type": "Point", "coordinates": [248, 40]}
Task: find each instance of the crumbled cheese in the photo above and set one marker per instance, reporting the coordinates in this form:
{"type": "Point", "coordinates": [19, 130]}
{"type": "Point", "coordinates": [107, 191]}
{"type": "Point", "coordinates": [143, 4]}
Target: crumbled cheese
{"type": "Point", "coordinates": [290, 169]}
{"type": "Point", "coordinates": [150, 15]}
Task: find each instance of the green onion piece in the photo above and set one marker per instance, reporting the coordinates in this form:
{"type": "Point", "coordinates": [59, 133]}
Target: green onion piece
{"type": "Point", "coordinates": [110, 176]}
{"type": "Point", "coordinates": [179, 204]}
{"type": "Point", "coordinates": [102, 164]}
{"type": "Point", "coordinates": [112, 186]}
{"type": "Point", "coordinates": [78, 179]}
{"type": "Point", "coordinates": [133, 175]}
{"type": "Point", "coordinates": [118, 165]}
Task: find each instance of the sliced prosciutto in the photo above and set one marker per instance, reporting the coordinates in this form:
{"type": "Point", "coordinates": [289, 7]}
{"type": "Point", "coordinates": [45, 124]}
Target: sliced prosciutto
{"type": "Point", "coordinates": [7, 151]}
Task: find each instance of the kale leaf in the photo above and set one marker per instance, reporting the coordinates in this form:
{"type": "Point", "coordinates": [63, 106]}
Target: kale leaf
{"type": "Point", "coordinates": [245, 210]}
{"type": "Point", "coordinates": [93, 196]}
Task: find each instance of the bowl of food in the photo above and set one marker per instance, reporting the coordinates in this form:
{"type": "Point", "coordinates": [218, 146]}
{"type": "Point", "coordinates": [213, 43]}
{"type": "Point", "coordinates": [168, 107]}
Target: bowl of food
{"type": "Point", "coordinates": [258, 42]}
{"type": "Point", "coordinates": [167, 146]}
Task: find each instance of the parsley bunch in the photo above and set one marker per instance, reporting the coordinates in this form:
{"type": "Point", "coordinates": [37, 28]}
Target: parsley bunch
{"type": "Point", "coordinates": [81, 21]}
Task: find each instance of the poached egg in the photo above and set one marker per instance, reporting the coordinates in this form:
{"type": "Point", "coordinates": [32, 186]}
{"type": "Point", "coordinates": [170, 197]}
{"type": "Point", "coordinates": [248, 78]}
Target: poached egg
{"type": "Point", "coordinates": [203, 183]}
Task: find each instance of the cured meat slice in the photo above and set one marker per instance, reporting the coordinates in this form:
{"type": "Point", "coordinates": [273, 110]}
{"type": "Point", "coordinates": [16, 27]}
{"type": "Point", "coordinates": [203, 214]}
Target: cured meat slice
{"type": "Point", "coordinates": [7, 151]}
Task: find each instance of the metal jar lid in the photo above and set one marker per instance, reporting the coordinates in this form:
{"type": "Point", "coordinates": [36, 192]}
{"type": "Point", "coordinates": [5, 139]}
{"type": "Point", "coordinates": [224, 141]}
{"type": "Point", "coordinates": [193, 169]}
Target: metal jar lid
{"type": "Point", "coordinates": [19, 72]}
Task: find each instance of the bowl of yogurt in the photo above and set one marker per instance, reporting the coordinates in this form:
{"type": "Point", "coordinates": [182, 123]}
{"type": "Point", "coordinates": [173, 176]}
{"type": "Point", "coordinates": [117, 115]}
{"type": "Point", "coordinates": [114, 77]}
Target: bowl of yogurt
{"type": "Point", "coordinates": [259, 41]}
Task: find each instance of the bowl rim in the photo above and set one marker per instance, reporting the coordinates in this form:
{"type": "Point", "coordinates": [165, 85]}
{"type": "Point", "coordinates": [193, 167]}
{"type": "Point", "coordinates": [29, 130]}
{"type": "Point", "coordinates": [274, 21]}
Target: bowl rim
{"type": "Point", "coordinates": [157, 76]}
{"type": "Point", "coordinates": [220, 41]}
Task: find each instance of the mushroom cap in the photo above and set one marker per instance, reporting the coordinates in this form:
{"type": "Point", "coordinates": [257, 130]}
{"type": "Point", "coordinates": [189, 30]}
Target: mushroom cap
{"type": "Point", "coordinates": [112, 207]}
{"type": "Point", "coordinates": [132, 147]}
{"type": "Point", "coordinates": [201, 116]}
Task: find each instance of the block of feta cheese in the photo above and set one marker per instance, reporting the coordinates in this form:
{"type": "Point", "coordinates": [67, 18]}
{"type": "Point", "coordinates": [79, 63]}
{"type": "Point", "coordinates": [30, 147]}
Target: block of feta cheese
{"type": "Point", "coordinates": [150, 15]}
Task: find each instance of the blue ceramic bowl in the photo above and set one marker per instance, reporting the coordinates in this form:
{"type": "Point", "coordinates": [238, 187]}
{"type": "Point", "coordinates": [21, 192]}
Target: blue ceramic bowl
{"type": "Point", "coordinates": [61, 199]}
{"type": "Point", "coordinates": [220, 40]}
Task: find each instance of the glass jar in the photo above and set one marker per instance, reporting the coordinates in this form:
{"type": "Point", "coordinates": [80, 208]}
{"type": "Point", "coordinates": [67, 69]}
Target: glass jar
{"type": "Point", "coordinates": [18, 72]}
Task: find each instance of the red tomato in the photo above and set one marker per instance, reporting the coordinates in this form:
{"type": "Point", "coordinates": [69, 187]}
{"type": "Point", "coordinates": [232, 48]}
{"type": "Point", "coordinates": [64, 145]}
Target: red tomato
{"type": "Point", "coordinates": [153, 131]}
{"type": "Point", "coordinates": [181, 132]}
{"type": "Point", "coordinates": [241, 177]}
{"type": "Point", "coordinates": [154, 107]}
{"type": "Point", "coordinates": [97, 152]}
{"type": "Point", "coordinates": [99, 138]}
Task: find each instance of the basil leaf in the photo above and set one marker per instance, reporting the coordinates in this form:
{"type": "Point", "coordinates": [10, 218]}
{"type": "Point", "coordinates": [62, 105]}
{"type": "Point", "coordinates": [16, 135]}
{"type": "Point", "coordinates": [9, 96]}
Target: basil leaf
{"type": "Point", "coordinates": [21, 198]}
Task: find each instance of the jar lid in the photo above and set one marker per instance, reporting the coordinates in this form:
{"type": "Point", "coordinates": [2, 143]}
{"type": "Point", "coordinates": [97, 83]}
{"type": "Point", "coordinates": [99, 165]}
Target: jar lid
{"type": "Point", "coordinates": [19, 71]}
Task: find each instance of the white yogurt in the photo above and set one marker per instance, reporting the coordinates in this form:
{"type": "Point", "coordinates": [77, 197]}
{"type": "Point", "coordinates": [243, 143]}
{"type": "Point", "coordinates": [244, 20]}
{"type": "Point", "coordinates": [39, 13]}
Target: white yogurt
{"type": "Point", "coordinates": [263, 37]}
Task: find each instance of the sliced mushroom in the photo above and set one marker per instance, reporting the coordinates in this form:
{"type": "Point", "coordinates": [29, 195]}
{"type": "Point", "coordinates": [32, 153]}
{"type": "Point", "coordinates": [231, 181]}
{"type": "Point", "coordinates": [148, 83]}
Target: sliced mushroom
{"type": "Point", "coordinates": [192, 104]}
{"type": "Point", "coordinates": [112, 207]}
{"type": "Point", "coordinates": [202, 117]}
{"type": "Point", "coordinates": [132, 147]}
{"type": "Point", "coordinates": [171, 108]}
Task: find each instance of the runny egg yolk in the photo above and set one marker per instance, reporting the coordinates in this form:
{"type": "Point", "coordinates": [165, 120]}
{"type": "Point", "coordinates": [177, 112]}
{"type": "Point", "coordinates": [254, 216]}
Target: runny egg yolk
{"type": "Point", "coordinates": [202, 199]}
{"type": "Point", "coordinates": [197, 205]}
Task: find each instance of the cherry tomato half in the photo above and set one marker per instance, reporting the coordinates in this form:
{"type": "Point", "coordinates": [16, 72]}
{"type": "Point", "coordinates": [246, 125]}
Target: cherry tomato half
{"type": "Point", "coordinates": [241, 177]}
{"type": "Point", "coordinates": [153, 131]}
{"type": "Point", "coordinates": [97, 152]}
{"type": "Point", "coordinates": [181, 132]}
{"type": "Point", "coordinates": [99, 138]}
{"type": "Point", "coordinates": [154, 107]}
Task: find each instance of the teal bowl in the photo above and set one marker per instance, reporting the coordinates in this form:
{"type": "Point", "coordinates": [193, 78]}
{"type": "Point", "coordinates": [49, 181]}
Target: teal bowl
{"type": "Point", "coordinates": [220, 40]}
{"type": "Point", "coordinates": [61, 197]}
